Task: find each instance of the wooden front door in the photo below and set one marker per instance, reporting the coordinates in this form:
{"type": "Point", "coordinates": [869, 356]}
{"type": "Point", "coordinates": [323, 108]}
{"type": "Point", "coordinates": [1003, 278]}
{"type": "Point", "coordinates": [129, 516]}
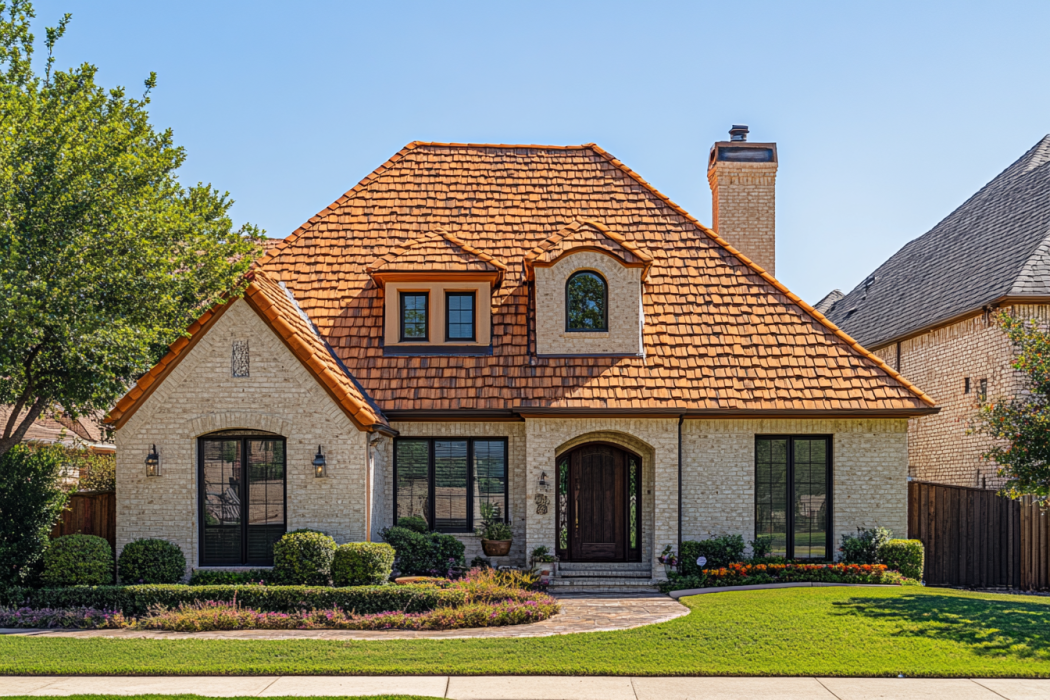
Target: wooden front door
{"type": "Point", "coordinates": [597, 504]}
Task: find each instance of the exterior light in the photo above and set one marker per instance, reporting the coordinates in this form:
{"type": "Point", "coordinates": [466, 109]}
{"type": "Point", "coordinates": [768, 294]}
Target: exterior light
{"type": "Point", "coordinates": [543, 481]}
{"type": "Point", "coordinates": [153, 462]}
{"type": "Point", "coordinates": [320, 466]}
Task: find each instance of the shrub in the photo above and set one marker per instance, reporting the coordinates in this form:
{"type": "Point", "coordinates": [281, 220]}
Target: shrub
{"type": "Point", "coordinates": [761, 546]}
{"type": "Point", "coordinates": [720, 551]}
{"type": "Point", "coordinates": [219, 577]}
{"type": "Point", "coordinates": [362, 564]}
{"type": "Point", "coordinates": [746, 573]}
{"type": "Point", "coordinates": [78, 560]}
{"type": "Point", "coordinates": [151, 561]}
{"type": "Point", "coordinates": [424, 555]}
{"type": "Point", "coordinates": [480, 562]}
{"type": "Point", "coordinates": [30, 502]}
{"type": "Point", "coordinates": [137, 600]}
{"type": "Point", "coordinates": [863, 548]}
{"type": "Point", "coordinates": [63, 618]}
{"type": "Point", "coordinates": [905, 556]}
{"type": "Point", "coordinates": [415, 523]}
{"type": "Point", "coordinates": [304, 558]}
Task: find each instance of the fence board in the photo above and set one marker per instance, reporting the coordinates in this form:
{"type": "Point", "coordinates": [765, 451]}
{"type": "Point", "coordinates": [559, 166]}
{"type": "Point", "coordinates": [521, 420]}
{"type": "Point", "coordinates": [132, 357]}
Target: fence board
{"type": "Point", "coordinates": [89, 513]}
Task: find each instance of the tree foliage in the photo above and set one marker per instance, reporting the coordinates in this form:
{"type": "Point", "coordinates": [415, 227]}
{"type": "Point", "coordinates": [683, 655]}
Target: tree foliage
{"type": "Point", "coordinates": [1021, 424]}
{"type": "Point", "coordinates": [104, 256]}
{"type": "Point", "coordinates": [30, 502]}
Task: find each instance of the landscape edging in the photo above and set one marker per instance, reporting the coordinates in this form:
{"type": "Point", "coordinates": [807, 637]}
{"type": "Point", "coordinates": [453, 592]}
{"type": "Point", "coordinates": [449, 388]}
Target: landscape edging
{"type": "Point", "coordinates": [763, 586]}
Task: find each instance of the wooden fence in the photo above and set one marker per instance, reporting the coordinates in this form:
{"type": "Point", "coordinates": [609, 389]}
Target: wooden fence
{"type": "Point", "coordinates": [974, 537]}
{"type": "Point", "coordinates": [89, 513]}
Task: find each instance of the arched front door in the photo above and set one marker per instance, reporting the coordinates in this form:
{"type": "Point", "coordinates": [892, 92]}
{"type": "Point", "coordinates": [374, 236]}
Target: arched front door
{"type": "Point", "coordinates": [599, 504]}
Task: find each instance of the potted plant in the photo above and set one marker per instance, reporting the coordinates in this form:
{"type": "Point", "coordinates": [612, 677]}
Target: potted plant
{"type": "Point", "coordinates": [543, 562]}
{"type": "Point", "coordinates": [494, 532]}
{"type": "Point", "coordinates": [669, 559]}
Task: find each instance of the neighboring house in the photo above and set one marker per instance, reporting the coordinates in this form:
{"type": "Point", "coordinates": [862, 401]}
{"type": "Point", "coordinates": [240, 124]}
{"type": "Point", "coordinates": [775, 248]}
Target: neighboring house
{"type": "Point", "coordinates": [930, 312]}
{"type": "Point", "coordinates": [60, 428]}
{"type": "Point", "coordinates": [533, 327]}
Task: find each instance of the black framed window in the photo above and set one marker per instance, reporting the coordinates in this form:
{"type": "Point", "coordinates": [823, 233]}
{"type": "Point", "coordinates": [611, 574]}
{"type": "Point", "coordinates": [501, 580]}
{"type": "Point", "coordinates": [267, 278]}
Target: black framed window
{"type": "Point", "coordinates": [459, 315]}
{"type": "Point", "coordinates": [414, 313]}
{"type": "Point", "coordinates": [586, 301]}
{"type": "Point", "coordinates": [242, 498]}
{"type": "Point", "coordinates": [445, 480]}
{"type": "Point", "coordinates": [793, 495]}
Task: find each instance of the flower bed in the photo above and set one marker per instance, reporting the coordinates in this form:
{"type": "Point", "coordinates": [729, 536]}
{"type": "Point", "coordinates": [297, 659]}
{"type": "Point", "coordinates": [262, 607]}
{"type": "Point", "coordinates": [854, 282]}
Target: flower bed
{"type": "Point", "coordinates": [61, 618]}
{"type": "Point", "coordinates": [745, 574]}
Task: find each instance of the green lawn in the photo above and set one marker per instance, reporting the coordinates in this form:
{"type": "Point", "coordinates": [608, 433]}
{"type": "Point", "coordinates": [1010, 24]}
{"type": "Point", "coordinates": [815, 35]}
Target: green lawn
{"type": "Point", "coordinates": [799, 631]}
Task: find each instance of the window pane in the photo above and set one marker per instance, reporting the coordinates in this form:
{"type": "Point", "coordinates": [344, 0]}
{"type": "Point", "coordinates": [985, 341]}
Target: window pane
{"type": "Point", "coordinates": [810, 499]}
{"type": "Point", "coordinates": [450, 485]}
{"type": "Point", "coordinates": [411, 459]}
{"type": "Point", "coordinates": [771, 468]}
{"type": "Point", "coordinates": [414, 316]}
{"type": "Point", "coordinates": [266, 484]}
{"type": "Point", "coordinates": [460, 316]}
{"type": "Point", "coordinates": [586, 302]}
{"type": "Point", "coordinates": [563, 506]}
{"type": "Point", "coordinates": [632, 503]}
{"type": "Point", "coordinates": [223, 492]}
{"type": "Point", "coordinates": [490, 476]}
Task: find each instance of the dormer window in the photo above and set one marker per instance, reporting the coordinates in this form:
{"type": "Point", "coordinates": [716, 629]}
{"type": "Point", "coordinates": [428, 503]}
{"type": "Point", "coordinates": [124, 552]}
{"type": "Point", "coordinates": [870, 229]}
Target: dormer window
{"type": "Point", "coordinates": [459, 316]}
{"type": "Point", "coordinates": [586, 302]}
{"type": "Point", "coordinates": [414, 316]}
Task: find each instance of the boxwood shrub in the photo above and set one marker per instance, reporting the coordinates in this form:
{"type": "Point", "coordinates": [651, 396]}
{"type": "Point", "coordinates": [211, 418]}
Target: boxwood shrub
{"type": "Point", "coordinates": [415, 523]}
{"type": "Point", "coordinates": [78, 560]}
{"type": "Point", "coordinates": [362, 564]}
{"type": "Point", "coordinates": [720, 551]}
{"type": "Point", "coordinates": [136, 600]}
{"type": "Point", "coordinates": [151, 561]}
{"type": "Point", "coordinates": [224, 577]}
{"type": "Point", "coordinates": [304, 558]}
{"type": "Point", "coordinates": [420, 554]}
{"type": "Point", "coordinates": [905, 556]}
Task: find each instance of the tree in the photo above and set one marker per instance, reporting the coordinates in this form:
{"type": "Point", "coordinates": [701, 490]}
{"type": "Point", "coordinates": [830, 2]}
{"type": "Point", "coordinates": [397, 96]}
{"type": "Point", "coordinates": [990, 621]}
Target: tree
{"type": "Point", "coordinates": [1021, 425]}
{"type": "Point", "coordinates": [104, 256]}
{"type": "Point", "coordinates": [30, 502]}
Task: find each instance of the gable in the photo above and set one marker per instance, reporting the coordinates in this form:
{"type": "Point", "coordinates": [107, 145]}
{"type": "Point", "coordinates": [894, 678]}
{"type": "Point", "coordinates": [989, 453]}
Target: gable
{"type": "Point", "coordinates": [719, 333]}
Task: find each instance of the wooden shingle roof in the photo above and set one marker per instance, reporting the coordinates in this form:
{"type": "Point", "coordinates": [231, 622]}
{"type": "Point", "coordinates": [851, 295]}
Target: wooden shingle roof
{"type": "Point", "coordinates": [720, 336]}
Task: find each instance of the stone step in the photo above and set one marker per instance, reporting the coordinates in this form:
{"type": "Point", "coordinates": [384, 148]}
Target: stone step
{"type": "Point", "coordinates": [603, 585]}
{"type": "Point", "coordinates": [607, 573]}
{"type": "Point", "coordinates": [619, 566]}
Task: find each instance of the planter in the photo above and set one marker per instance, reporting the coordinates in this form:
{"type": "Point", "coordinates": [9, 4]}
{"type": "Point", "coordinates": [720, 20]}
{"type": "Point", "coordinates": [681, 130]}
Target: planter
{"type": "Point", "coordinates": [545, 569]}
{"type": "Point", "coordinates": [496, 548]}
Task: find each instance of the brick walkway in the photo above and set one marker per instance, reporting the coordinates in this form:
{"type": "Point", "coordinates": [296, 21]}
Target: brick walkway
{"type": "Point", "coordinates": [579, 613]}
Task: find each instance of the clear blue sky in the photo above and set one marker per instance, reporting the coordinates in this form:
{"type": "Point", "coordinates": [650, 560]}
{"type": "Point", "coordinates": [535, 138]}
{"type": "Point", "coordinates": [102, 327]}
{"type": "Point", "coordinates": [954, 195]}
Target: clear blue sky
{"type": "Point", "coordinates": [887, 115]}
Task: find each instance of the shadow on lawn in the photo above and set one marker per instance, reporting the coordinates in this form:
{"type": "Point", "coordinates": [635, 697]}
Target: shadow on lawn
{"type": "Point", "coordinates": [988, 627]}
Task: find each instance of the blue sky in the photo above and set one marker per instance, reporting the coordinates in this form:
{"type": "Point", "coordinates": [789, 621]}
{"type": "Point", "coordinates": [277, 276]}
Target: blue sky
{"type": "Point", "coordinates": [887, 115]}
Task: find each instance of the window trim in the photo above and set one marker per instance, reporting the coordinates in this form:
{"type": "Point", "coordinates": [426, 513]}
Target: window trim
{"type": "Point", "coordinates": [242, 438]}
{"type": "Point", "coordinates": [829, 544]}
{"type": "Point", "coordinates": [473, 316]}
{"type": "Point", "coordinates": [605, 302]}
{"type": "Point", "coordinates": [431, 483]}
{"type": "Point", "coordinates": [401, 315]}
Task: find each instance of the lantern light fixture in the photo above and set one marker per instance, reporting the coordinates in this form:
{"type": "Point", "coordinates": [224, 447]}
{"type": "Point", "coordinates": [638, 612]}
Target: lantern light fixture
{"type": "Point", "coordinates": [153, 462]}
{"type": "Point", "coordinates": [544, 484]}
{"type": "Point", "coordinates": [320, 465]}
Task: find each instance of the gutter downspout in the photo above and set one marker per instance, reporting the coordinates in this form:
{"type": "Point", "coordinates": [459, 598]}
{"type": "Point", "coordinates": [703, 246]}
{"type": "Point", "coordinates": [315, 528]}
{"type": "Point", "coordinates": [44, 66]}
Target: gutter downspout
{"type": "Point", "coordinates": [681, 419]}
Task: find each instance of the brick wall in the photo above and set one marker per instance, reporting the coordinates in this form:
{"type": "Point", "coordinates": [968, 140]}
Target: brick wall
{"type": "Point", "coordinates": [200, 396]}
{"type": "Point", "coordinates": [743, 207]}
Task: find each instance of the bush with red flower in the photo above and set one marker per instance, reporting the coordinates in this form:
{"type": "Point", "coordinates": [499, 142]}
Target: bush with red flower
{"type": "Point", "coordinates": [748, 574]}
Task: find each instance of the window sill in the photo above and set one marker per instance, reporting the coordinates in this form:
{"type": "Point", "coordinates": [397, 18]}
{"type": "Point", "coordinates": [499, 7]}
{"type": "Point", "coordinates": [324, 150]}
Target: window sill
{"type": "Point", "coordinates": [585, 334]}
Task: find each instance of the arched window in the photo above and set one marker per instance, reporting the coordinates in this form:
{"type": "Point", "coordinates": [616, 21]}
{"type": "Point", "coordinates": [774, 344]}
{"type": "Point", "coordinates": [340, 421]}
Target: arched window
{"type": "Point", "coordinates": [586, 299]}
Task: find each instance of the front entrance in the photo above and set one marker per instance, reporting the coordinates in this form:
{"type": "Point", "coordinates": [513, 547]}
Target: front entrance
{"type": "Point", "coordinates": [599, 504]}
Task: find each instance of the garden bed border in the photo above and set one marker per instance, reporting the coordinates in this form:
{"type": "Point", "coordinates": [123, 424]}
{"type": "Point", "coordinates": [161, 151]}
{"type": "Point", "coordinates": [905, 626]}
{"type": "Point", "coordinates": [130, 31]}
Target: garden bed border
{"type": "Point", "coordinates": [763, 586]}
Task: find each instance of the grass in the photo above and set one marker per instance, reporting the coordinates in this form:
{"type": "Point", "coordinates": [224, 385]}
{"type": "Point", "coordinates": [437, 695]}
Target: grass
{"type": "Point", "coordinates": [791, 632]}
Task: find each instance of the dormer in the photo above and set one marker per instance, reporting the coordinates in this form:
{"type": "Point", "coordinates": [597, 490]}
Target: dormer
{"type": "Point", "coordinates": [588, 292]}
{"type": "Point", "coordinates": [437, 296]}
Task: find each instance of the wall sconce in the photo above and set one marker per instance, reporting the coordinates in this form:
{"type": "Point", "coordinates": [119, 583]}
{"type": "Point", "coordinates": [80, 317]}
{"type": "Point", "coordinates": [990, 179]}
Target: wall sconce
{"type": "Point", "coordinates": [320, 466]}
{"type": "Point", "coordinates": [544, 484]}
{"type": "Point", "coordinates": [153, 462]}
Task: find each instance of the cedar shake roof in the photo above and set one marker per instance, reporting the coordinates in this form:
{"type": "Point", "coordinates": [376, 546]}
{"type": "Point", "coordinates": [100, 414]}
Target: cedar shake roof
{"type": "Point", "coordinates": [720, 334]}
{"type": "Point", "coordinates": [587, 235]}
{"type": "Point", "coordinates": [996, 245]}
{"type": "Point", "coordinates": [278, 308]}
{"type": "Point", "coordinates": [437, 251]}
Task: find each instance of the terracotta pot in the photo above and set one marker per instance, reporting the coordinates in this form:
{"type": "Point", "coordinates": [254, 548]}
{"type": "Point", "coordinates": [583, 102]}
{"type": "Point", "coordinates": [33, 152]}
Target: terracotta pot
{"type": "Point", "coordinates": [496, 548]}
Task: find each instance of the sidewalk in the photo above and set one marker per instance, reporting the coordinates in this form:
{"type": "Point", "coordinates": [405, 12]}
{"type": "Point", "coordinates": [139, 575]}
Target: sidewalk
{"type": "Point", "coordinates": [539, 687]}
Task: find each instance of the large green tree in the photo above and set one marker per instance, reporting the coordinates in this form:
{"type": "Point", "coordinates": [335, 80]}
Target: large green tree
{"type": "Point", "coordinates": [104, 256]}
{"type": "Point", "coordinates": [1021, 424]}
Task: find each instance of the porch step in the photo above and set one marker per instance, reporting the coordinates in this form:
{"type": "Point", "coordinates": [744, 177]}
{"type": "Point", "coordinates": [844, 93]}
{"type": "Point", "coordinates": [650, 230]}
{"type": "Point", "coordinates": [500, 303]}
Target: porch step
{"type": "Point", "coordinates": [600, 566]}
{"type": "Point", "coordinates": [609, 584]}
{"type": "Point", "coordinates": [606, 573]}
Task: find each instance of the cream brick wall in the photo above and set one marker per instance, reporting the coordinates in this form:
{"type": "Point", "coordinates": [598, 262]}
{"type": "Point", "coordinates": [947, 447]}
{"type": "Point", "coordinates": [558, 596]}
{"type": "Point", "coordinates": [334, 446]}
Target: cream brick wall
{"type": "Point", "coordinates": [200, 396]}
{"type": "Point", "coordinates": [939, 362]}
{"type": "Point", "coordinates": [743, 208]}
{"type": "Point", "coordinates": [869, 471]}
{"type": "Point", "coordinates": [624, 307]}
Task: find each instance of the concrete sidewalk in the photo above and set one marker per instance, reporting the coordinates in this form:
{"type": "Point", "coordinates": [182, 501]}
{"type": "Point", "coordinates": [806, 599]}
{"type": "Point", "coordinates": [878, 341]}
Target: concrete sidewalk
{"type": "Point", "coordinates": [538, 687]}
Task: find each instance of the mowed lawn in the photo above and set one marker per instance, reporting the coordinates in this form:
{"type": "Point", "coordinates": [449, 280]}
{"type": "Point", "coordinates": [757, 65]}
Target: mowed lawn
{"type": "Point", "coordinates": [801, 631]}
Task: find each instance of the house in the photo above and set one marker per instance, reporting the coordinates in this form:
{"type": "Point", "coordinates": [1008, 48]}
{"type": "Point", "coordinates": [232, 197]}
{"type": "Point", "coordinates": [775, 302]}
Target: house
{"type": "Point", "coordinates": [930, 313]}
{"type": "Point", "coordinates": [536, 328]}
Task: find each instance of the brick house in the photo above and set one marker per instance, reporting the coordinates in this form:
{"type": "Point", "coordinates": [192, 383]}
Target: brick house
{"type": "Point", "coordinates": [929, 312]}
{"type": "Point", "coordinates": [533, 327]}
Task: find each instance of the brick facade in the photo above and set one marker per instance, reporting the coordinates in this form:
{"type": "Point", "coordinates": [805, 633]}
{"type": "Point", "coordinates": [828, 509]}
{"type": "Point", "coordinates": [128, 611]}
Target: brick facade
{"type": "Point", "coordinates": [743, 208]}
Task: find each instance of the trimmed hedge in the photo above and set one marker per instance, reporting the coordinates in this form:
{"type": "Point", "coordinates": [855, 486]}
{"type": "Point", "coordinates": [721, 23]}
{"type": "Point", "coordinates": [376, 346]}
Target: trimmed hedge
{"type": "Point", "coordinates": [415, 523]}
{"type": "Point", "coordinates": [424, 555]}
{"type": "Point", "coordinates": [720, 551]}
{"type": "Point", "coordinates": [304, 558]}
{"type": "Point", "coordinates": [151, 561]}
{"type": "Point", "coordinates": [78, 560]}
{"type": "Point", "coordinates": [223, 577]}
{"type": "Point", "coordinates": [905, 556]}
{"type": "Point", "coordinates": [136, 600]}
{"type": "Point", "coordinates": [362, 564]}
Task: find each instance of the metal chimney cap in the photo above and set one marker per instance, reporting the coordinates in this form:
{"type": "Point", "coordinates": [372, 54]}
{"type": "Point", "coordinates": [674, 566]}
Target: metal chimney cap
{"type": "Point", "coordinates": [738, 132]}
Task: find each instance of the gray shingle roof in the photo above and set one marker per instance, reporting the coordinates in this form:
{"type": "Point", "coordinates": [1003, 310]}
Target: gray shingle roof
{"type": "Point", "coordinates": [996, 244]}
{"type": "Point", "coordinates": [825, 304]}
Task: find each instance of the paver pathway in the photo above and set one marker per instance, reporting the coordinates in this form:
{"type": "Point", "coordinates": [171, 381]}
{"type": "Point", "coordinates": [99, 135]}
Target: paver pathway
{"type": "Point", "coordinates": [540, 687]}
{"type": "Point", "coordinates": [579, 613]}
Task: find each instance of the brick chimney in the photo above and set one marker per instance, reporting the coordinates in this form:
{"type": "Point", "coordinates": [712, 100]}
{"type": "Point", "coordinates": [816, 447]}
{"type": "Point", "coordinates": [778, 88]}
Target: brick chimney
{"type": "Point", "coordinates": [743, 179]}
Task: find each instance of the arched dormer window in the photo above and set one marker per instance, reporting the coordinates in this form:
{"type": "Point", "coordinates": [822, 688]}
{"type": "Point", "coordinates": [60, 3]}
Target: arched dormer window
{"type": "Point", "coordinates": [586, 302]}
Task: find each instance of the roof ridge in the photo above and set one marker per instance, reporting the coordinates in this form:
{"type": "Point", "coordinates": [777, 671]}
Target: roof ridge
{"type": "Point", "coordinates": [863, 352]}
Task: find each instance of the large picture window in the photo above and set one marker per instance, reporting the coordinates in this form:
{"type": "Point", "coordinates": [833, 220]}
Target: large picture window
{"type": "Point", "coordinates": [793, 495]}
{"type": "Point", "coordinates": [586, 297]}
{"type": "Point", "coordinates": [242, 481]}
{"type": "Point", "coordinates": [445, 481]}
